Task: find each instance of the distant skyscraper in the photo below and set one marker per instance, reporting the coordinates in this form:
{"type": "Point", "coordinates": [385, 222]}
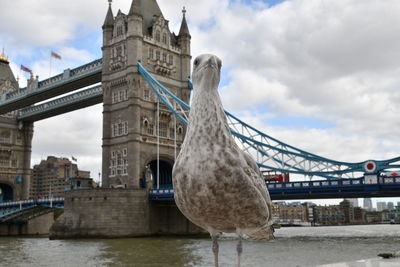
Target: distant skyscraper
{"type": "Point", "coordinates": [353, 201]}
{"type": "Point", "coordinates": [380, 206]}
{"type": "Point", "coordinates": [390, 206]}
{"type": "Point", "coordinates": [367, 204]}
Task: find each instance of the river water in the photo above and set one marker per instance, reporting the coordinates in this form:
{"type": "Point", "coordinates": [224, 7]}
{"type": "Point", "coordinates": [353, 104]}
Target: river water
{"type": "Point", "coordinates": [296, 246]}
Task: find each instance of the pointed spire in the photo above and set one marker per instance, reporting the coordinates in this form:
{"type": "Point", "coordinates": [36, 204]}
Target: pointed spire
{"type": "Point", "coordinates": [184, 31]}
{"type": "Point", "coordinates": [135, 8]}
{"type": "Point", "coordinates": [109, 21]}
{"type": "Point", "coordinates": [3, 57]}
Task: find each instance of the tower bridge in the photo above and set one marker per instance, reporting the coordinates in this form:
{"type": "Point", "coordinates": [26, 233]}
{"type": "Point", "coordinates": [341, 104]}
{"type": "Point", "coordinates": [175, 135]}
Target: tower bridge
{"type": "Point", "coordinates": [142, 81]}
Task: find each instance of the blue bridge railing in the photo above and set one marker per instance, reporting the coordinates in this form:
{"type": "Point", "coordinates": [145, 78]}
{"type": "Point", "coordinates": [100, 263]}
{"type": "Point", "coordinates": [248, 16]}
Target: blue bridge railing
{"type": "Point", "coordinates": [13, 207]}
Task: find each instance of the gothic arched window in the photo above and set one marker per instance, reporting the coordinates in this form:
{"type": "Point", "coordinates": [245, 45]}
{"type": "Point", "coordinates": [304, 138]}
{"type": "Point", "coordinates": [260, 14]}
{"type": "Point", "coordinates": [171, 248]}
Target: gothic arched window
{"type": "Point", "coordinates": [158, 36]}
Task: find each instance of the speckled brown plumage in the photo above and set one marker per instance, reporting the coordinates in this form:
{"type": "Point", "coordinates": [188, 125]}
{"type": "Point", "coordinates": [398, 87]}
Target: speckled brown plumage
{"type": "Point", "coordinates": [217, 186]}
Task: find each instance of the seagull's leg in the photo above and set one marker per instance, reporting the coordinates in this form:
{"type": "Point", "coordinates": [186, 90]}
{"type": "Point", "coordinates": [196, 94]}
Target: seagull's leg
{"type": "Point", "coordinates": [215, 248]}
{"type": "Point", "coordinates": [239, 250]}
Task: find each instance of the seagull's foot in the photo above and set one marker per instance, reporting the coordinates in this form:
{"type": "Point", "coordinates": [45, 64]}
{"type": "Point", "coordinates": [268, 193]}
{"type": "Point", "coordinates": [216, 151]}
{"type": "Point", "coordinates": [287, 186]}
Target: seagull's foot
{"type": "Point", "coordinates": [239, 249]}
{"type": "Point", "coordinates": [215, 249]}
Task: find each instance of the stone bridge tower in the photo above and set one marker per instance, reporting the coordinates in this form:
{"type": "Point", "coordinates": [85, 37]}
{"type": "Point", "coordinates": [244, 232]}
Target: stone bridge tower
{"type": "Point", "coordinates": [130, 119]}
{"type": "Point", "coordinates": [15, 144]}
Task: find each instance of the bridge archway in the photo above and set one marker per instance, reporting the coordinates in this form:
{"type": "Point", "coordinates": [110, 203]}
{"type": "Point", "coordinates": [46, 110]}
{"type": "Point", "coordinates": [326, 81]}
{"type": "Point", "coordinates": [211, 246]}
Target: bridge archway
{"type": "Point", "coordinates": [165, 173]}
{"type": "Point", "coordinates": [6, 192]}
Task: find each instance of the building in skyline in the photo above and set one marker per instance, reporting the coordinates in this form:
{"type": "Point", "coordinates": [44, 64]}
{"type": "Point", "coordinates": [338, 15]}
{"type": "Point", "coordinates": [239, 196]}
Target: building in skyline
{"type": "Point", "coordinates": [55, 175]}
{"type": "Point", "coordinates": [353, 201]}
{"type": "Point", "coordinates": [328, 215]}
{"type": "Point", "coordinates": [367, 204]}
{"type": "Point", "coordinates": [381, 205]}
{"type": "Point", "coordinates": [390, 205]}
{"type": "Point", "coordinates": [290, 213]}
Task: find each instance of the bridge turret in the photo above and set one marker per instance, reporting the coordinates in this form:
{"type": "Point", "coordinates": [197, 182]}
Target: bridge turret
{"type": "Point", "coordinates": [108, 27]}
{"type": "Point", "coordinates": [108, 22]}
{"type": "Point", "coordinates": [134, 37]}
{"type": "Point", "coordinates": [130, 117]}
{"type": "Point", "coordinates": [136, 8]}
{"type": "Point", "coordinates": [184, 43]}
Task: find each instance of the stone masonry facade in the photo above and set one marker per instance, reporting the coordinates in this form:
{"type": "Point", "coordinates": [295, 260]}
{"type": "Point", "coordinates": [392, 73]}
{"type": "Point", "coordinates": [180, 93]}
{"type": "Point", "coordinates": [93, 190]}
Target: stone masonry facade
{"type": "Point", "coordinates": [15, 144]}
{"type": "Point", "coordinates": [130, 124]}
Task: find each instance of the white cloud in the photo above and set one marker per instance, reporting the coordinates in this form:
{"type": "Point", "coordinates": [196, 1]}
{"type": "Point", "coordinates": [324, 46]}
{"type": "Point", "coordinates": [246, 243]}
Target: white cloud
{"type": "Point", "coordinates": [335, 61]}
{"type": "Point", "coordinates": [77, 134]}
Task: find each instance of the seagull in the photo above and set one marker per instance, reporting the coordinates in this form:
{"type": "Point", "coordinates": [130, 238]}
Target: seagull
{"type": "Point", "coordinates": [217, 186]}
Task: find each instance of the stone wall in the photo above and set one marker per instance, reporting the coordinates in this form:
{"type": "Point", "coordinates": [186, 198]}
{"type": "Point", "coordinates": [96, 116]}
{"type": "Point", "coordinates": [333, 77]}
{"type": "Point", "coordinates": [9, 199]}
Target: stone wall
{"type": "Point", "coordinates": [117, 213]}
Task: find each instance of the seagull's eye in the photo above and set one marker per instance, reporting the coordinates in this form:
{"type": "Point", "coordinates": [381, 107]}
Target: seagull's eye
{"type": "Point", "coordinates": [196, 62]}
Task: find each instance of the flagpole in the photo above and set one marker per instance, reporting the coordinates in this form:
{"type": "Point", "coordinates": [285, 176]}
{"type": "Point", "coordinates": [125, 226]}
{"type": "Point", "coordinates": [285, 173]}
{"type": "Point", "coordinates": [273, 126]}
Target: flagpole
{"type": "Point", "coordinates": [50, 67]}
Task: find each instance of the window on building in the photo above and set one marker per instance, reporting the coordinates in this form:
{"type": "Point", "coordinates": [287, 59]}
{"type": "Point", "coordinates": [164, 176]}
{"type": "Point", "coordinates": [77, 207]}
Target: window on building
{"type": "Point", "coordinates": [180, 129]}
{"type": "Point", "coordinates": [115, 97]}
{"type": "Point", "coordinates": [119, 51]}
{"type": "Point", "coordinates": [120, 129]}
{"type": "Point", "coordinates": [126, 127]}
{"type": "Point", "coordinates": [163, 129]}
{"type": "Point", "coordinates": [4, 160]}
{"type": "Point", "coordinates": [151, 53]}
{"type": "Point", "coordinates": [164, 57]}
{"type": "Point", "coordinates": [172, 133]}
{"type": "Point", "coordinates": [150, 129]}
{"type": "Point", "coordinates": [164, 38]}
{"type": "Point", "coordinates": [14, 163]}
{"type": "Point", "coordinates": [19, 139]}
{"type": "Point", "coordinates": [119, 30]}
{"type": "Point", "coordinates": [146, 94]}
{"type": "Point", "coordinates": [5, 137]}
{"type": "Point", "coordinates": [115, 130]}
{"type": "Point", "coordinates": [158, 55]}
{"type": "Point", "coordinates": [125, 171]}
{"type": "Point", "coordinates": [125, 152]}
{"type": "Point", "coordinates": [112, 171]}
{"type": "Point", "coordinates": [158, 36]}
{"type": "Point", "coordinates": [121, 95]}
{"type": "Point", "coordinates": [171, 59]}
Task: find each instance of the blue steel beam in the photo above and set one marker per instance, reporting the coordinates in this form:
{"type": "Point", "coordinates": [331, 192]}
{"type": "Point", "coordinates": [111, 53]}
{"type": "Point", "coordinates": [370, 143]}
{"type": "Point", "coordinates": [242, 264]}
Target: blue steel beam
{"type": "Point", "coordinates": [270, 153]}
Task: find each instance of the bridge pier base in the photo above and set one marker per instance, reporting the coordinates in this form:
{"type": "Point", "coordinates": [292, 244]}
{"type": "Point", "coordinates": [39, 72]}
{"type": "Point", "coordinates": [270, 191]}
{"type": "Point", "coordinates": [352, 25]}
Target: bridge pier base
{"type": "Point", "coordinates": [166, 219]}
{"type": "Point", "coordinates": [37, 226]}
{"type": "Point", "coordinates": [108, 213]}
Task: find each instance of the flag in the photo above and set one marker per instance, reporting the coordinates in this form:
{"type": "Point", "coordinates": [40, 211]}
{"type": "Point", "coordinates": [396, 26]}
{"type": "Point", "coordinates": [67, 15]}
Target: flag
{"type": "Point", "coordinates": [55, 55]}
{"type": "Point", "coordinates": [74, 159]}
{"type": "Point", "coordinates": [26, 69]}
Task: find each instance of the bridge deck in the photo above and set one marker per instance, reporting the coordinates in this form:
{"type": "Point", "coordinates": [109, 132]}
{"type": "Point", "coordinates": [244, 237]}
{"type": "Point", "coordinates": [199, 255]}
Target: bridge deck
{"type": "Point", "coordinates": [68, 81]}
{"type": "Point", "coordinates": [346, 188]}
{"type": "Point", "coordinates": [74, 101]}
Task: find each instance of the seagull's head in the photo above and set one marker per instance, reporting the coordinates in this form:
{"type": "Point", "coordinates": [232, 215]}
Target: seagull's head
{"type": "Point", "coordinates": [206, 72]}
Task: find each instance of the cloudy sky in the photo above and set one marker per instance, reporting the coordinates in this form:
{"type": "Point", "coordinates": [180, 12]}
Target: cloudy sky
{"type": "Point", "coordinates": [321, 75]}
